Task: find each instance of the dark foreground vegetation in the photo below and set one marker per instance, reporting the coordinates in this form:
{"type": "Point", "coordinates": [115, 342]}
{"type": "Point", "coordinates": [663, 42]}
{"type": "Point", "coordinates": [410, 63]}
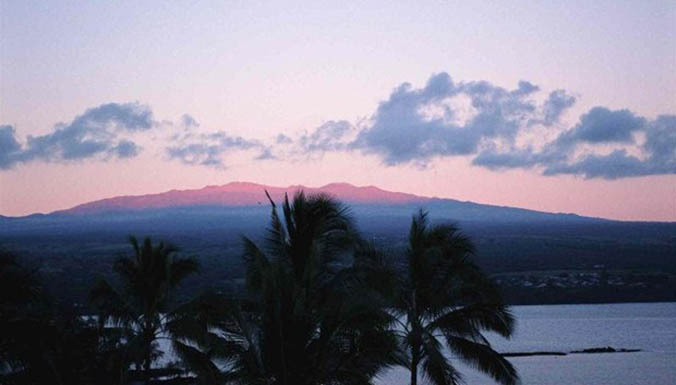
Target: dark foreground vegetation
{"type": "Point", "coordinates": [541, 260]}
{"type": "Point", "coordinates": [321, 306]}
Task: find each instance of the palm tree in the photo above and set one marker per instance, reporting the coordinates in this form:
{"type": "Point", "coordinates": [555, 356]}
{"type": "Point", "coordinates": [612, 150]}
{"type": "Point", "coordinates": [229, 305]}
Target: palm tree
{"type": "Point", "coordinates": [310, 316]}
{"type": "Point", "coordinates": [444, 299]}
{"type": "Point", "coordinates": [141, 306]}
{"type": "Point", "coordinates": [213, 332]}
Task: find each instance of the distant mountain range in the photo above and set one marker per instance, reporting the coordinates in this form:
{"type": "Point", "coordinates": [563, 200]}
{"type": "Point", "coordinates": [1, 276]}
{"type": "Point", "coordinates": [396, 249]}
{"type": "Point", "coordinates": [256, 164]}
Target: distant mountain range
{"type": "Point", "coordinates": [241, 194]}
{"type": "Point", "coordinates": [244, 198]}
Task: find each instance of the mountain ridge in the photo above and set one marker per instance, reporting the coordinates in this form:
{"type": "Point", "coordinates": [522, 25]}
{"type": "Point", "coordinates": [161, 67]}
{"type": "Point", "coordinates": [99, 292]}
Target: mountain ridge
{"type": "Point", "coordinates": [240, 194]}
{"type": "Point", "coordinates": [243, 194]}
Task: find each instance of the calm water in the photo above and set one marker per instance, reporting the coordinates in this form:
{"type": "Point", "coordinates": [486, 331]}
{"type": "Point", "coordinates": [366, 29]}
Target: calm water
{"type": "Point", "coordinates": [650, 327]}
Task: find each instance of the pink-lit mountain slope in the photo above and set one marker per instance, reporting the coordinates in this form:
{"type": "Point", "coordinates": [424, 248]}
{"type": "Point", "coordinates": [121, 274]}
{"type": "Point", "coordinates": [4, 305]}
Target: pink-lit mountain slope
{"type": "Point", "coordinates": [242, 194]}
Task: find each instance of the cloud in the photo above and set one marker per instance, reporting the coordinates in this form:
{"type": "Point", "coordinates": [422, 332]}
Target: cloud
{"type": "Point", "coordinates": [188, 121]}
{"type": "Point", "coordinates": [10, 149]}
{"type": "Point", "coordinates": [208, 149]}
{"type": "Point", "coordinates": [493, 127]}
{"type": "Point", "coordinates": [99, 131]}
{"type": "Point", "coordinates": [599, 127]}
{"type": "Point", "coordinates": [602, 125]}
{"type": "Point", "coordinates": [495, 160]}
{"type": "Point", "coordinates": [660, 141]}
{"type": "Point", "coordinates": [499, 129]}
{"type": "Point", "coordinates": [617, 164]}
{"type": "Point", "coordinates": [447, 119]}
{"type": "Point", "coordinates": [126, 149]}
{"type": "Point", "coordinates": [327, 137]}
{"type": "Point", "coordinates": [266, 154]}
{"type": "Point", "coordinates": [557, 102]}
{"type": "Point", "coordinates": [283, 139]}
{"type": "Point", "coordinates": [659, 154]}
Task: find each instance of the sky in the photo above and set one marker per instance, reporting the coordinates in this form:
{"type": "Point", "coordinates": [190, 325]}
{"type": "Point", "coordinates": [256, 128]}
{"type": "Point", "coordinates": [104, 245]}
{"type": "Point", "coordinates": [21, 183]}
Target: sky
{"type": "Point", "coordinates": [560, 106]}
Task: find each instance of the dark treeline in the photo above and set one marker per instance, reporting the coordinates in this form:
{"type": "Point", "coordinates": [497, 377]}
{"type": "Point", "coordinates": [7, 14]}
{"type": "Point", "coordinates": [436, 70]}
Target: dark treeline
{"type": "Point", "coordinates": [72, 255]}
{"type": "Point", "coordinates": [322, 305]}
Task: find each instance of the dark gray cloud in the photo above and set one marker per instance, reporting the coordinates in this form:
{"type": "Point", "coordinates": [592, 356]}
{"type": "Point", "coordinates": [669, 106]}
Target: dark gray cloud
{"type": "Point", "coordinates": [209, 149]}
{"type": "Point", "coordinates": [98, 131]}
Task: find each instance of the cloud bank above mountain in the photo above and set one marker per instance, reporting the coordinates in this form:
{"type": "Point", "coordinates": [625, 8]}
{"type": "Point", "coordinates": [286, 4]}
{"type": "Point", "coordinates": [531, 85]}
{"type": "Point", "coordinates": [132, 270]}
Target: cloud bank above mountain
{"type": "Point", "coordinates": [500, 129]}
{"type": "Point", "coordinates": [493, 127]}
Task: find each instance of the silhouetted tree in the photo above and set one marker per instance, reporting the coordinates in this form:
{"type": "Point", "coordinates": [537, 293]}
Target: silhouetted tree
{"type": "Point", "coordinates": [23, 307]}
{"type": "Point", "coordinates": [41, 342]}
{"type": "Point", "coordinates": [311, 317]}
{"type": "Point", "coordinates": [142, 305]}
{"type": "Point", "coordinates": [444, 299]}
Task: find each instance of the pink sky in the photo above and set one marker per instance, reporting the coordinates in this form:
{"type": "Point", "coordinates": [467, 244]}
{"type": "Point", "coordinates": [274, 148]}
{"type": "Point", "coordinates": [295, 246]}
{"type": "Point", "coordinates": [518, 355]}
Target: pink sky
{"type": "Point", "coordinates": [253, 71]}
{"type": "Point", "coordinates": [645, 198]}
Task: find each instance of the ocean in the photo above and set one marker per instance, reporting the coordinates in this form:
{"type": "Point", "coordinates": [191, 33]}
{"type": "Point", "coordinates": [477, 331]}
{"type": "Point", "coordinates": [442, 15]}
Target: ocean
{"type": "Point", "coordinates": [650, 327]}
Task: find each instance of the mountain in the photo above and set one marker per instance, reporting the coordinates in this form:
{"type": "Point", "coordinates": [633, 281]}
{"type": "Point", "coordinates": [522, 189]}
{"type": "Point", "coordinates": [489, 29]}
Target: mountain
{"type": "Point", "coordinates": [369, 201]}
{"type": "Point", "coordinates": [235, 204]}
{"type": "Point", "coordinates": [74, 246]}
{"type": "Point", "coordinates": [241, 194]}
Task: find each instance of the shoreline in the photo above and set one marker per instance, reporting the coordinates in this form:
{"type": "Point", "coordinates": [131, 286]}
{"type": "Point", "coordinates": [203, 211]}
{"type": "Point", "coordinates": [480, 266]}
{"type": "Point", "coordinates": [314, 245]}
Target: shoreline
{"type": "Point", "coordinates": [604, 350]}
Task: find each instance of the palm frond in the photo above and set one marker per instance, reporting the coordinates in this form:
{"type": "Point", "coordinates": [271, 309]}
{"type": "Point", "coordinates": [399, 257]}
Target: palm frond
{"type": "Point", "coordinates": [141, 305]}
{"type": "Point", "coordinates": [435, 366]}
{"type": "Point", "coordinates": [180, 269]}
{"type": "Point", "coordinates": [417, 229]}
{"type": "Point", "coordinates": [258, 265]}
{"type": "Point", "coordinates": [444, 291]}
{"type": "Point", "coordinates": [484, 358]}
{"type": "Point", "coordinates": [134, 244]}
{"type": "Point", "coordinates": [198, 362]}
{"type": "Point", "coordinates": [469, 320]}
{"type": "Point", "coordinates": [111, 303]}
{"type": "Point", "coordinates": [127, 269]}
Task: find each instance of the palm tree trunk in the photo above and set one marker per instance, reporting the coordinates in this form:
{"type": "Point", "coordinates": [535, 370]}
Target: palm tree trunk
{"type": "Point", "coordinates": [415, 347]}
{"type": "Point", "coordinates": [146, 370]}
{"type": "Point", "coordinates": [415, 360]}
{"type": "Point", "coordinates": [148, 345]}
{"type": "Point", "coordinates": [414, 371]}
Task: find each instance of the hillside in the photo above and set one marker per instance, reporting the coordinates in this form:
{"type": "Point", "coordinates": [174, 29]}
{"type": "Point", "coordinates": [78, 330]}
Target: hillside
{"type": "Point", "coordinates": [241, 194]}
{"type": "Point", "coordinates": [538, 257]}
